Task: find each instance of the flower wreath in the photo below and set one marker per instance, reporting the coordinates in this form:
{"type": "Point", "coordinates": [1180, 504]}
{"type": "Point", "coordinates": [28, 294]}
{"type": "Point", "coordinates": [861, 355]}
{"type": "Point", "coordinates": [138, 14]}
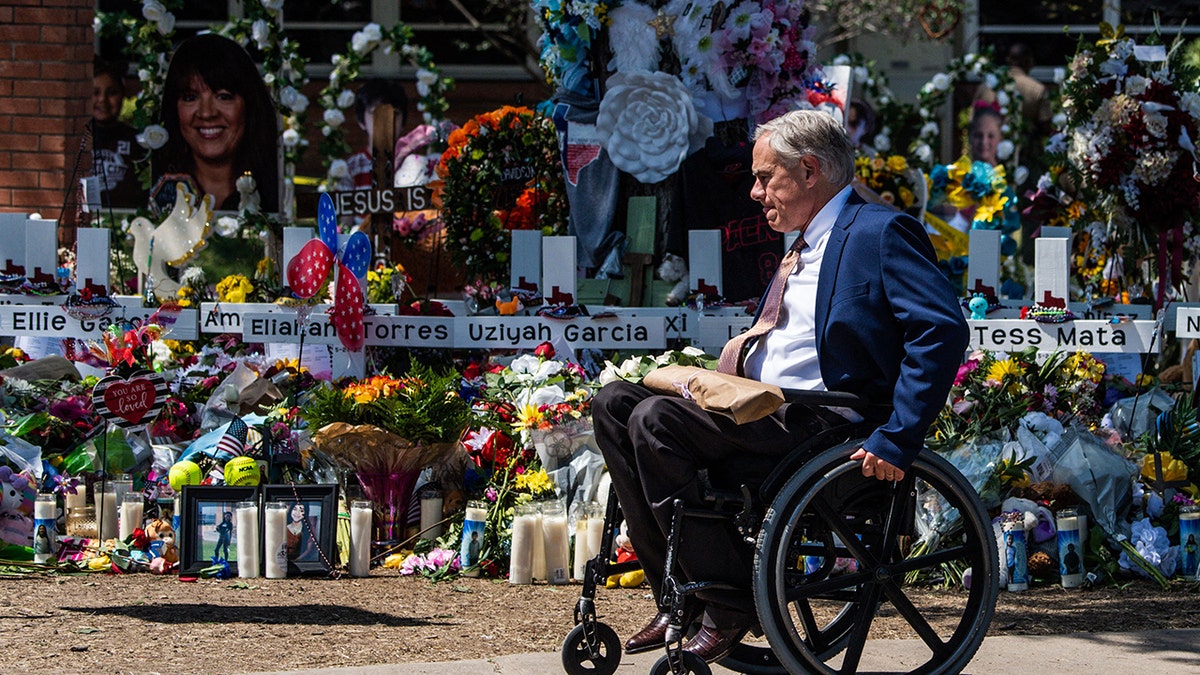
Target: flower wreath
{"type": "Point", "coordinates": [334, 98]}
{"type": "Point", "coordinates": [937, 90]}
{"type": "Point", "coordinates": [477, 207]}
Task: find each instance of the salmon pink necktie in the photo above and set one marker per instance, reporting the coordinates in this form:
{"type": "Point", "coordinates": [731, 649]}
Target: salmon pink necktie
{"type": "Point", "coordinates": [731, 354]}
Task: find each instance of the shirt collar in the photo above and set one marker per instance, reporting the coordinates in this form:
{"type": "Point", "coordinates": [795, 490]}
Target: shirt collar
{"type": "Point", "coordinates": [825, 219]}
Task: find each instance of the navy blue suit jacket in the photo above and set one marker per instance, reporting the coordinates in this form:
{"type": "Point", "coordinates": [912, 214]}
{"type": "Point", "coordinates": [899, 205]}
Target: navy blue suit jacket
{"type": "Point", "coordinates": [889, 327]}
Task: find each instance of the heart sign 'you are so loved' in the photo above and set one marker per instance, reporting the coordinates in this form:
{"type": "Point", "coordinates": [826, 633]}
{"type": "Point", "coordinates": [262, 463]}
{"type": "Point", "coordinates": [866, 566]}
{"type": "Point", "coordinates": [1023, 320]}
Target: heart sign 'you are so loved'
{"type": "Point", "coordinates": [130, 403]}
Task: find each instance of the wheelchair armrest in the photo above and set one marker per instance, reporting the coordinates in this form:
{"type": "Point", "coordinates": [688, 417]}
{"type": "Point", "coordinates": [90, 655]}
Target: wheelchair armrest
{"type": "Point", "coordinates": [839, 399]}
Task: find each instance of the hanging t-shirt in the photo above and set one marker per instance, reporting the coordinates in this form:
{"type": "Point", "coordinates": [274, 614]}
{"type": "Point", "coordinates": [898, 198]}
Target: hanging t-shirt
{"type": "Point", "coordinates": [114, 149]}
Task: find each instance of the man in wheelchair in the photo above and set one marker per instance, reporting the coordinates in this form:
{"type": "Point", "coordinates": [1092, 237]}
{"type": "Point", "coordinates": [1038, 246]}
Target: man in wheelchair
{"type": "Point", "coordinates": [858, 305]}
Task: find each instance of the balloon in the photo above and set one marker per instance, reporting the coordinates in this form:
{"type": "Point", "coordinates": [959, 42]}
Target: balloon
{"type": "Point", "coordinates": [347, 314]}
{"type": "Point", "coordinates": [327, 221]}
{"type": "Point", "coordinates": [308, 270]}
{"type": "Point", "coordinates": [356, 254]}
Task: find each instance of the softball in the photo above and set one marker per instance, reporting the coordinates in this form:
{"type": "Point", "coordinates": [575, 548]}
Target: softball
{"type": "Point", "coordinates": [184, 473]}
{"type": "Point", "coordinates": [242, 470]}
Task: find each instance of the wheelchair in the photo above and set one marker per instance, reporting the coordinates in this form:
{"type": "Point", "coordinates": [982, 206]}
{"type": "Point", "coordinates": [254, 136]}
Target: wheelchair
{"type": "Point", "coordinates": [831, 550]}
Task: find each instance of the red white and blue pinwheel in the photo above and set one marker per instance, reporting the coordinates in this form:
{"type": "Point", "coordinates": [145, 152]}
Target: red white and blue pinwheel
{"type": "Point", "coordinates": [307, 272]}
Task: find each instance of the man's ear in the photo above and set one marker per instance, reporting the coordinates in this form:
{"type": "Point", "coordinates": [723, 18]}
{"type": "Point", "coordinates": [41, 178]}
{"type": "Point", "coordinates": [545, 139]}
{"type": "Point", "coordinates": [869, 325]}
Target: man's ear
{"type": "Point", "coordinates": [810, 169]}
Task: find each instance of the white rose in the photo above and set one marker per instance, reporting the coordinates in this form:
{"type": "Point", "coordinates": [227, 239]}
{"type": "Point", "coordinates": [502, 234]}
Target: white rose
{"type": "Point", "coordinates": [422, 89]}
{"type": "Point", "coordinates": [649, 124]}
{"type": "Point", "coordinates": [861, 75]}
{"type": "Point", "coordinates": [1021, 175]}
{"type": "Point", "coordinates": [144, 75]}
{"type": "Point", "coordinates": [426, 76]}
{"type": "Point", "coordinates": [991, 80]}
{"type": "Point", "coordinates": [153, 10]}
{"type": "Point", "coordinates": [373, 32]}
{"type": "Point", "coordinates": [227, 226]}
{"type": "Point", "coordinates": [345, 99]}
{"type": "Point", "coordinates": [166, 25]}
{"type": "Point", "coordinates": [1002, 98]}
{"type": "Point", "coordinates": [260, 32]}
{"type": "Point", "coordinates": [883, 143]}
{"type": "Point", "coordinates": [924, 153]}
{"type": "Point", "coordinates": [1044, 182]}
{"type": "Point", "coordinates": [929, 129]}
{"type": "Point", "coordinates": [269, 78]}
{"type": "Point", "coordinates": [290, 138]}
{"type": "Point", "coordinates": [153, 137]}
{"type": "Point", "coordinates": [326, 130]}
{"type": "Point", "coordinates": [1059, 120]}
{"type": "Point", "coordinates": [1004, 150]}
{"type": "Point", "coordinates": [338, 169]}
{"type": "Point", "coordinates": [334, 117]}
{"type": "Point", "coordinates": [1060, 74]}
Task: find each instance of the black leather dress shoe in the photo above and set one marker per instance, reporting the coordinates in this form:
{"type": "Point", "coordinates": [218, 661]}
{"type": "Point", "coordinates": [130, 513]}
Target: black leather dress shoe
{"type": "Point", "coordinates": [654, 635]}
{"type": "Point", "coordinates": [714, 644]}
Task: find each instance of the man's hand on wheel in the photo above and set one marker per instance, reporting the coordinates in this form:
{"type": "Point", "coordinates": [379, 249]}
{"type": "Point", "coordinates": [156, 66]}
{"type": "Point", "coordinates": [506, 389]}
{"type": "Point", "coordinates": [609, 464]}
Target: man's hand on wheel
{"type": "Point", "coordinates": [873, 466]}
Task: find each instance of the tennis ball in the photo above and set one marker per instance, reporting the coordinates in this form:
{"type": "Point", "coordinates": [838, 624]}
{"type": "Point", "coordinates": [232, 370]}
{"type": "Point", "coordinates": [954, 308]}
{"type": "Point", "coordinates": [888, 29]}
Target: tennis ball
{"type": "Point", "coordinates": [184, 473]}
{"type": "Point", "coordinates": [241, 470]}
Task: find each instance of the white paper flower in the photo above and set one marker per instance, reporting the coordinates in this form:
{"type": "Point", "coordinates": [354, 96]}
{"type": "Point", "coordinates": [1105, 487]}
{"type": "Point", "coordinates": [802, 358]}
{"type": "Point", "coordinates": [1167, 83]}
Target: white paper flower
{"type": "Point", "coordinates": [650, 124]}
{"type": "Point", "coordinates": [260, 32]}
{"type": "Point", "coordinates": [334, 117]}
{"type": "Point", "coordinates": [1004, 150]}
{"type": "Point", "coordinates": [345, 99]}
{"type": "Point", "coordinates": [338, 169]}
{"type": "Point", "coordinates": [940, 82]}
{"type": "Point", "coordinates": [153, 10]}
{"type": "Point", "coordinates": [227, 226]}
{"type": "Point", "coordinates": [290, 138]}
{"type": "Point", "coordinates": [153, 137]}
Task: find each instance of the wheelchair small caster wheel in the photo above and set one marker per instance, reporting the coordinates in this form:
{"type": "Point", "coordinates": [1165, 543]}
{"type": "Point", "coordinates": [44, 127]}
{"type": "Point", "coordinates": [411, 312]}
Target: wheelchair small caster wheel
{"type": "Point", "coordinates": [690, 662]}
{"type": "Point", "coordinates": [577, 659]}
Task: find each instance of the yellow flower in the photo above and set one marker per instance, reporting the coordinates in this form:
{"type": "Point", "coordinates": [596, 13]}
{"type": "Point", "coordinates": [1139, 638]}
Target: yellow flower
{"type": "Point", "coordinates": [1006, 369]}
{"type": "Point", "coordinates": [1172, 468]}
{"type": "Point", "coordinates": [989, 206]}
{"type": "Point", "coordinates": [528, 416]}
{"type": "Point", "coordinates": [534, 482]}
{"type": "Point", "coordinates": [897, 164]}
{"type": "Point", "coordinates": [234, 288]}
{"type": "Point", "coordinates": [907, 198]}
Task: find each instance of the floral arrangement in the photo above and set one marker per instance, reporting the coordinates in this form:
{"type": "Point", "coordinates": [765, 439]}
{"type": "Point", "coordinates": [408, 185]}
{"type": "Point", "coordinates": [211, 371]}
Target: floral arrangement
{"type": "Point", "coordinates": [992, 391]}
{"type": "Point", "coordinates": [1132, 114]}
{"type": "Point", "coordinates": [569, 29]}
{"type": "Point", "coordinates": [386, 283]}
{"type": "Point", "coordinates": [635, 368]}
{"type": "Point", "coordinates": [502, 171]}
{"type": "Point", "coordinates": [982, 187]}
{"type": "Point", "coordinates": [891, 178]}
{"type": "Point", "coordinates": [334, 98]}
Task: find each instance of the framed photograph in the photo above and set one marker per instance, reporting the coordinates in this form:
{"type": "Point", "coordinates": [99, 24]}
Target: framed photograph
{"type": "Point", "coordinates": [309, 542]}
{"type": "Point", "coordinates": [209, 525]}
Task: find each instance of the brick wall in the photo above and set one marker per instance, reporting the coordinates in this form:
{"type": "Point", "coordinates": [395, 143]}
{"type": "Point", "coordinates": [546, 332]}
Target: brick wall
{"type": "Point", "coordinates": [45, 101]}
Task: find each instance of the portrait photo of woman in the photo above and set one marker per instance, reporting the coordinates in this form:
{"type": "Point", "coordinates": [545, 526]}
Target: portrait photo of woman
{"type": "Point", "coordinates": [221, 123]}
{"type": "Point", "coordinates": [301, 543]}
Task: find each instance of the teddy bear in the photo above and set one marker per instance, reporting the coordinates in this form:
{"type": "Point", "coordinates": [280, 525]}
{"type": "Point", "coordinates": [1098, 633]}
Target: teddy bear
{"type": "Point", "coordinates": [162, 545]}
{"type": "Point", "coordinates": [674, 268]}
{"type": "Point", "coordinates": [16, 507]}
{"type": "Point", "coordinates": [625, 553]}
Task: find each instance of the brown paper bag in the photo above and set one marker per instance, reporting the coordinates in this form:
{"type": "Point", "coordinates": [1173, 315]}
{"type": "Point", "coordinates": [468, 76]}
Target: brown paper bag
{"type": "Point", "coordinates": [737, 398]}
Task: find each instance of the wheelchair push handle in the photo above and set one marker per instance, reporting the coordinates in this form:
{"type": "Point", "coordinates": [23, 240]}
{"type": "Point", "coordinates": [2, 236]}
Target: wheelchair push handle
{"type": "Point", "coordinates": [839, 399]}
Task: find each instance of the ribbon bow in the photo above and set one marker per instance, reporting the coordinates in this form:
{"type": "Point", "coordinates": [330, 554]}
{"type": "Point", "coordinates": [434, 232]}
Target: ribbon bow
{"type": "Point", "coordinates": [307, 272]}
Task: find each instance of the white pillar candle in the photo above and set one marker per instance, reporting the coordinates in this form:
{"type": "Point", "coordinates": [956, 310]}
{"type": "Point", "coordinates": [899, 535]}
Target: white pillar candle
{"type": "Point", "coordinates": [558, 545]}
{"type": "Point", "coordinates": [107, 515]}
{"type": "Point", "coordinates": [45, 528]}
{"type": "Point", "coordinates": [525, 530]}
{"type": "Point", "coordinates": [538, 563]}
{"type": "Point", "coordinates": [248, 558]}
{"type": "Point", "coordinates": [595, 533]}
{"type": "Point", "coordinates": [360, 538]}
{"type": "Point", "coordinates": [474, 525]}
{"type": "Point", "coordinates": [131, 514]}
{"type": "Point", "coordinates": [74, 500]}
{"type": "Point", "coordinates": [431, 515]}
{"type": "Point", "coordinates": [124, 485]}
{"type": "Point", "coordinates": [579, 568]}
{"type": "Point", "coordinates": [1070, 548]}
{"type": "Point", "coordinates": [275, 541]}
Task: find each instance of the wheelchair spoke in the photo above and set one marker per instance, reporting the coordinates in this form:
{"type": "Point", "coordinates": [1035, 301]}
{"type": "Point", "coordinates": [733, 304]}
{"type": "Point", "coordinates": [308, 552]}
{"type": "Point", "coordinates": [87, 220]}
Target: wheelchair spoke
{"type": "Point", "coordinates": [812, 632]}
{"type": "Point", "coordinates": [930, 560]}
{"type": "Point", "coordinates": [895, 516]}
{"type": "Point", "coordinates": [862, 627]}
{"type": "Point", "coordinates": [836, 583]}
{"type": "Point", "coordinates": [914, 617]}
{"type": "Point", "coordinates": [837, 524]}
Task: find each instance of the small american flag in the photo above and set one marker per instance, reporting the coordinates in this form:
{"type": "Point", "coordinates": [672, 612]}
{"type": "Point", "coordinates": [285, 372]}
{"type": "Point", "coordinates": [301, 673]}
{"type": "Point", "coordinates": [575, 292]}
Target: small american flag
{"type": "Point", "coordinates": [234, 440]}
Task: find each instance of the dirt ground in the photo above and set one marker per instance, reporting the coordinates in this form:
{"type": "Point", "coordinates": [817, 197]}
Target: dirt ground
{"type": "Point", "coordinates": [147, 624]}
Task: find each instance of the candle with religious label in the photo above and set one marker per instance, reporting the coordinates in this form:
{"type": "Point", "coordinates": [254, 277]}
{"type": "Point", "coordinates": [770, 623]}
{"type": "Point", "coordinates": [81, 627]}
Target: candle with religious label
{"type": "Point", "coordinates": [132, 509]}
{"type": "Point", "coordinates": [579, 551]}
{"type": "Point", "coordinates": [472, 539]}
{"type": "Point", "coordinates": [558, 543]}
{"type": "Point", "coordinates": [1015, 556]}
{"type": "Point", "coordinates": [360, 538]}
{"type": "Point", "coordinates": [248, 558]}
{"type": "Point", "coordinates": [45, 529]}
{"type": "Point", "coordinates": [106, 512]}
{"type": "Point", "coordinates": [275, 540]}
{"type": "Point", "coordinates": [1189, 540]}
{"type": "Point", "coordinates": [431, 512]}
{"type": "Point", "coordinates": [1070, 548]}
{"type": "Point", "coordinates": [525, 529]}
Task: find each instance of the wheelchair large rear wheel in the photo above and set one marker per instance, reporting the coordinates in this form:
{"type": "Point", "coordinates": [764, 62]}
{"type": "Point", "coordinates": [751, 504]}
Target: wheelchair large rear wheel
{"type": "Point", "coordinates": [836, 548]}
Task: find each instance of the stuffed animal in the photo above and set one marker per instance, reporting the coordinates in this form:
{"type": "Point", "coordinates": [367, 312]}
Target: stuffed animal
{"type": "Point", "coordinates": [625, 553]}
{"type": "Point", "coordinates": [16, 507]}
{"type": "Point", "coordinates": [674, 268]}
{"type": "Point", "coordinates": [162, 541]}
